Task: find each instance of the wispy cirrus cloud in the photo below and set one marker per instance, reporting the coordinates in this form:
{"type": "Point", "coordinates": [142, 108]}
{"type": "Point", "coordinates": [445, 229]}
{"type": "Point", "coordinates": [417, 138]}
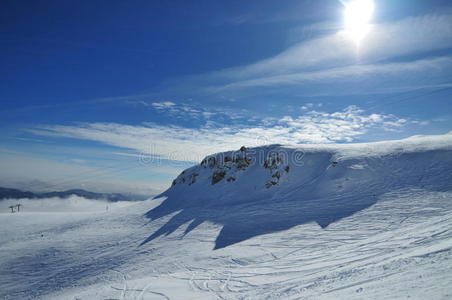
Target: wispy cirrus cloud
{"type": "Point", "coordinates": [395, 57]}
{"type": "Point", "coordinates": [392, 51]}
{"type": "Point", "coordinates": [385, 41]}
{"type": "Point", "coordinates": [406, 74]}
{"type": "Point", "coordinates": [189, 111]}
{"type": "Point", "coordinates": [192, 144]}
{"type": "Point", "coordinates": [163, 105]}
{"type": "Point", "coordinates": [310, 105]}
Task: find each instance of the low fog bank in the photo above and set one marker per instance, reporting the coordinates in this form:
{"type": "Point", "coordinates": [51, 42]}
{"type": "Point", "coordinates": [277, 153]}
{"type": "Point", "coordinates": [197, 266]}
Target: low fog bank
{"type": "Point", "coordinates": [55, 204]}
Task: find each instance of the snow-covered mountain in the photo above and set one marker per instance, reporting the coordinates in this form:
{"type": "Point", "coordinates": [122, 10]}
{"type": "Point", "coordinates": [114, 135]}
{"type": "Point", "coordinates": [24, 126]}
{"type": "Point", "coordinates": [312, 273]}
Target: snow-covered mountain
{"type": "Point", "coordinates": [352, 221]}
{"type": "Point", "coordinates": [267, 189]}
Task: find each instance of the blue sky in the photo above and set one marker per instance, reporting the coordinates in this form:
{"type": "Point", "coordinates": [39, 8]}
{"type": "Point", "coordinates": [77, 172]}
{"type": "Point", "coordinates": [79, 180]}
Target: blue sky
{"type": "Point", "coordinates": [123, 95]}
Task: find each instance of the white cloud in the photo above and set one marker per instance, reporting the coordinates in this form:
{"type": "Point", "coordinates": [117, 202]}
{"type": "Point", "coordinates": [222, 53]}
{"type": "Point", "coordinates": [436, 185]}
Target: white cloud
{"type": "Point", "coordinates": [409, 36]}
{"type": "Point", "coordinates": [403, 74]}
{"type": "Point", "coordinates": [310, 105]}
{"type": "Point", "coordinates": [192, 144]}
{"type": "Point", "coordinates": [176, 110]}
{"type": "Point", "coordinates": [186, 111]}
{"type": "Point", "coordinates": [388, 60]}
{"type": "Point", "coordinates": [163, 105]}
{"type": "Point", "coordinates": [340, 126]}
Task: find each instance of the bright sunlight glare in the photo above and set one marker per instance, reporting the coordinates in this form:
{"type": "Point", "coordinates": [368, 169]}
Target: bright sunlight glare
{"type": "Point", "coordinates": [357, 15]}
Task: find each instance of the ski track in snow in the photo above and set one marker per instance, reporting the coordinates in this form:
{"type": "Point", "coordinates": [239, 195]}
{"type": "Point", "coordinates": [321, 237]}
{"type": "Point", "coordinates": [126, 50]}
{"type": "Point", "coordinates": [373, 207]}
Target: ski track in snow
{"type": "Point", "coordinates": [398, 247]}
{"type": "Point", "coordinates": [390, 250]}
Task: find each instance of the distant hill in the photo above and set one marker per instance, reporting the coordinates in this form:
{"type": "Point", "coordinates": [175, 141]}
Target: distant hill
{"type": "Point", "coordinates": [9, 193]}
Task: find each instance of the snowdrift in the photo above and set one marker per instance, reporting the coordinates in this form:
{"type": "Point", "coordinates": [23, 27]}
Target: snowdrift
{"type": "Point", "coordinates": [272, 188]}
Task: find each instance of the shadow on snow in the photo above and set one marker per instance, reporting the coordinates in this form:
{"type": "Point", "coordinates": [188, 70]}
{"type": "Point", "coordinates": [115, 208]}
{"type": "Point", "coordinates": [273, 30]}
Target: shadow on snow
{"type": "Point", "coordinates": [429, 170]}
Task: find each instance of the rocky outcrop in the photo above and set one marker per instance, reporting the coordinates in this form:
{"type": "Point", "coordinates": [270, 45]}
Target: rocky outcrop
{"type": "Point", "coordinates": [228, 166]}
{"type": "Point", "coordinates": [277, 167]}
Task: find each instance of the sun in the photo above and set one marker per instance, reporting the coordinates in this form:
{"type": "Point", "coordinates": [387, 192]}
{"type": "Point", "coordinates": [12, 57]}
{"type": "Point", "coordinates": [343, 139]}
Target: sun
{"type": "Point", "coordinates": [357, 17]}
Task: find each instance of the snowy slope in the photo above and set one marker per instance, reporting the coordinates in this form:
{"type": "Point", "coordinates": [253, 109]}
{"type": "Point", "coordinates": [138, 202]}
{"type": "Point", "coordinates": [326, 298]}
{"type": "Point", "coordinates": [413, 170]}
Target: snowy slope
{"type": "Point", "coordinates": [364, 221]}
{"type": "Point", "coordinates": [312, 183]}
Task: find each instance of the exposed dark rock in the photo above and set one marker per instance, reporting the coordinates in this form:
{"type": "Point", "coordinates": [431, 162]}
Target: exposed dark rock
{"type": "Point", "coordinates": [277, 175]}
{"type": "Point", "coordinates": [204, 162]}
{"type": "Point", "coordinates": [193, 178]}
{"type": "Point", "coordinates": [212, 161]}
{"type": "Point", "coordinates": [270, 184]}
{"type": "Point", "coordinates": [243, 163]}
{"type": "Point", "coordinates": [218, 176]}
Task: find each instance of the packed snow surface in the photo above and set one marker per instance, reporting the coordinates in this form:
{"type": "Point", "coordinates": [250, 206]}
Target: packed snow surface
{"type": "Point", "coordinates": [355, 221]}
